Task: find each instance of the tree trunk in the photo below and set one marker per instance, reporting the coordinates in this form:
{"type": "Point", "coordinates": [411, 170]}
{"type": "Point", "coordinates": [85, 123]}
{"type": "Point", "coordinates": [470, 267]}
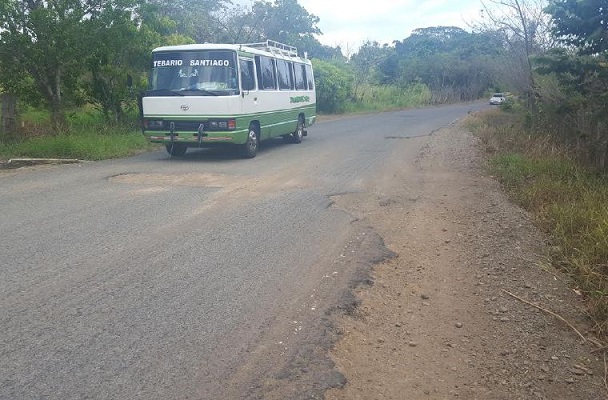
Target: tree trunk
{"type": "Point", "coordinates": [9, 114]}
{"type": "Point", "coordinates": [52, 89]}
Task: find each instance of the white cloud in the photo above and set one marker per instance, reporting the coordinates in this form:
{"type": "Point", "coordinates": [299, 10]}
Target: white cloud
{"type": "Point", "coordinates": [349, 23]}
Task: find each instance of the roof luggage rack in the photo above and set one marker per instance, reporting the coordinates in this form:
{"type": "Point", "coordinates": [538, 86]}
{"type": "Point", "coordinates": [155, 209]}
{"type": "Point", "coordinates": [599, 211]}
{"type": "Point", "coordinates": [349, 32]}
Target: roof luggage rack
{"type": "Point", "coordinates": [275, 47]}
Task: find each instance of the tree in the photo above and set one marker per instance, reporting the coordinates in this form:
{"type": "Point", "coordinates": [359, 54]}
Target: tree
{"type": "Point", "coordinates": [526, 29]}
{"type": "Point", "coordinates": [47, 47]}
{"type": "Point", "coordinates": [119, 47]}
{"type": "Point", "coordinates": [577, 107]}
{"type": "Point", "coordinates": [454, 64]}
{"type": "Point", "coordinates": [424, 42]}
{"type": "Point", "coordinates": [43, 42]}
{"type": "Point", "coordinates": [285, 21]}
{"type": "Point", "coordinates": [200, 20]}
{"type": "Point", "coordinates": [366, 64]}
{"type": "Point", "coordinates": [582, 24]}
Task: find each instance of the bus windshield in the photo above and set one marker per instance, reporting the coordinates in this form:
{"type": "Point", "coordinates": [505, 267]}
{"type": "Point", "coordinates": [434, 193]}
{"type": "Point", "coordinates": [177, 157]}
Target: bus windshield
{"type": "Point", "coordinates": [193, 73]}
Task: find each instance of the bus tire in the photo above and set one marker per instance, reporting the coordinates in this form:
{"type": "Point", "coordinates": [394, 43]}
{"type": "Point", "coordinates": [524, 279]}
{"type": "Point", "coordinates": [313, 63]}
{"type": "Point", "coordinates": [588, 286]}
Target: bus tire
{"type": "Point", "coordinates": [296, 136]}
{"type": "Point", "coordinates": [176, 149]}
{"type": "Point", "coordinates": [249, 149]}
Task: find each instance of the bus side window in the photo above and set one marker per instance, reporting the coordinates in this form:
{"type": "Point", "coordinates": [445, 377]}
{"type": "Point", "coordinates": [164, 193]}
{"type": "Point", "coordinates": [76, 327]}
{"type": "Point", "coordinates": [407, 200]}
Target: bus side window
{"type": "Point", "coordinates": [284, 72]}
{"type": "Point", "coordinates": [266, 73]}
{"type": "Point", "coordinates": [300, 76]}
{"type": "Point", "coordinates": [247, 75]}
{"type": "Point", "coordinates": [310, 78]}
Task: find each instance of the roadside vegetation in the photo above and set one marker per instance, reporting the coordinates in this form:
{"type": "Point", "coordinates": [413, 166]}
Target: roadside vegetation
{"type": "Point", "coordinates": [566, 195]}
{"type": "Point", "coordinates": [78, 144]}
{"type": "Point", "coordinates": [549, 144]}
{"type": "Point", "coordinates": [88, 136]}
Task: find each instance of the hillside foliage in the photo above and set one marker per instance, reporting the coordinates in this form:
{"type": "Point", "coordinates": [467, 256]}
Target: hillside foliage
{"type": "Point", "coordinates": [551, 55]}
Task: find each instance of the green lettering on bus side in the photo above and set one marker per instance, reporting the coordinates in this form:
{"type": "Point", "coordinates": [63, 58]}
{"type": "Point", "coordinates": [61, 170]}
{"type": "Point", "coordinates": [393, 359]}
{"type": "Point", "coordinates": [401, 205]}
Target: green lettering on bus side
{"type": "Point", "coordinates": [299, 99]}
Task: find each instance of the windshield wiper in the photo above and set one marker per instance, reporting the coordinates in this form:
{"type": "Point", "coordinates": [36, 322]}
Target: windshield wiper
{"type": "Point", "coordinates": [165, 92]}
{"type": "Point", "coordinates": [202, 91]}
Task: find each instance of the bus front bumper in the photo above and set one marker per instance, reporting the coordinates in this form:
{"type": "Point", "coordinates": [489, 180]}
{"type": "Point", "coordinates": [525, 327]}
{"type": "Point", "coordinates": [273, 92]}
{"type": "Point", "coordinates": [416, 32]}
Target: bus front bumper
{"type": "Point", "coordinates": [195, 139]}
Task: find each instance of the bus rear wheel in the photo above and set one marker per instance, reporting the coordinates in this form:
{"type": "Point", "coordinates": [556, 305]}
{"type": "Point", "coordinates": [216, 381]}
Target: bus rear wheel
{"type": "Point", "coordinates": [176, 149]}
{"type": "Point", "coordinates": [296, 136]}
{"type": "Point", "coordinates": [249, 149]}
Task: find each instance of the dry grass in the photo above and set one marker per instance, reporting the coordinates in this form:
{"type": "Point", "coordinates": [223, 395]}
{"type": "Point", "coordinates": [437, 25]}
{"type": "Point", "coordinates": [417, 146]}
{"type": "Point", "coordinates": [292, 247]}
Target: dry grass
{"type": "Point", "coordinates": [568, 200]}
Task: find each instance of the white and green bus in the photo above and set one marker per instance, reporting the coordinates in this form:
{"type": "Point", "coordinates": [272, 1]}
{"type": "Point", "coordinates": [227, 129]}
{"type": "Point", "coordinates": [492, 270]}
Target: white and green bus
{"type": "Point", "coordinates": [200, 95]}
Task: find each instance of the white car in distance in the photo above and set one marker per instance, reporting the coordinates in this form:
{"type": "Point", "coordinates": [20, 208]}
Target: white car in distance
{"type": "Point", "coordinates": [497, 98]}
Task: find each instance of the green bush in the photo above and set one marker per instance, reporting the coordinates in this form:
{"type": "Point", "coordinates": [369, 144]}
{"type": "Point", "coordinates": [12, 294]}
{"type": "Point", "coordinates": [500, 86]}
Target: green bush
{"type": "Point", "coordinates": [386, 97]}
{"type": "Point", "coordinates": [334, 86]}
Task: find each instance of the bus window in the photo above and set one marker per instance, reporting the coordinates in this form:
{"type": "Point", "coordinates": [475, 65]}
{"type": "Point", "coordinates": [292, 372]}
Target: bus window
{"type": "Point", "coordinates": [285, 81]}
{"type": "Point", "coordinates": [310, 78]}
{"type": "Point", "coordinates": [300, 77]}
{"type": "Point", "coordinates": [266, 73]}
{"type": "Point", "coordinates": [247, 75]}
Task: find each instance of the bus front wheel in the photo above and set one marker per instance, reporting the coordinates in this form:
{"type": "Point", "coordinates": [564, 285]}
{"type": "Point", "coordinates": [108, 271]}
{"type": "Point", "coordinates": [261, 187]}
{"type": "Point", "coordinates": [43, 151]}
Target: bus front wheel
{"type": "Point", "coordinates": [176, 149]}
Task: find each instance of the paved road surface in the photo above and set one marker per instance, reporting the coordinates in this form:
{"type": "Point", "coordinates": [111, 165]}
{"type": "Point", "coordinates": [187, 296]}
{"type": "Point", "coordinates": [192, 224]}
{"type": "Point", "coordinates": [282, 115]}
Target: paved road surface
{"type": "Point", "coordinates": [200, 277]}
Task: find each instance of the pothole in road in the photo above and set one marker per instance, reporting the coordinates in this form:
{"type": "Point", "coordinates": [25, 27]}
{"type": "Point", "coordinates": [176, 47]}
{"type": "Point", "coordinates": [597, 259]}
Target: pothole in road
{"type": "Point", "coordinates": [235, 186]}
{"type": "Point", "coordinates": [165, 180]}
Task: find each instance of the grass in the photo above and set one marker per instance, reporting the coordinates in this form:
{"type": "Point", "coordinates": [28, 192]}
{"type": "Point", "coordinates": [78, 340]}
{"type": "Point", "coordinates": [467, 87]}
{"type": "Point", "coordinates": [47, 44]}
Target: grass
{"type": "Point", "coordinates": [568, 200]}
{"type": "Point", "coordinates": [382, 98]}
{"type": "Point", "coordinates": [89, 137]}
{"type": "Point", "coordinates": [80, 145]}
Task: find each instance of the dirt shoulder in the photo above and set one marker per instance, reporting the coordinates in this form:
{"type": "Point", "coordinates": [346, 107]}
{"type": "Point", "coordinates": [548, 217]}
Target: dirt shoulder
{"type": "Point", "coordinates": [441, 320]}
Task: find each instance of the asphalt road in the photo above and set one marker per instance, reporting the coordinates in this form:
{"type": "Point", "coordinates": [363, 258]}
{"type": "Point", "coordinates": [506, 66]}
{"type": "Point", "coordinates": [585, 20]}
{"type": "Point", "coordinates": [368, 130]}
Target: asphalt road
{"type": "Point", "coordinates": [201, 277]}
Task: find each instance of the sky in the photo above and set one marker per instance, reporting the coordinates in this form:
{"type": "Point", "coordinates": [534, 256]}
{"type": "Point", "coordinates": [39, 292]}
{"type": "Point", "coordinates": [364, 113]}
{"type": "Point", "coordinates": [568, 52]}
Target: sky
{"type": "Point", "coordinates": [349, 23]}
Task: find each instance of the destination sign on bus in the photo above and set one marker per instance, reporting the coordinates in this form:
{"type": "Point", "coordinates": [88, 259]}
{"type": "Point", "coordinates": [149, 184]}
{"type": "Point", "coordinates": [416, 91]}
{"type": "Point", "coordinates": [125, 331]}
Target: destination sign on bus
{"type": "Point", "coordinates": [194, 59]}
{"type": "Point", "coordinates": [210, 63]}
{"type": "Point", "coordinates": [193, 63]}
{"type": "Point", "coordinates": [168, 63]}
